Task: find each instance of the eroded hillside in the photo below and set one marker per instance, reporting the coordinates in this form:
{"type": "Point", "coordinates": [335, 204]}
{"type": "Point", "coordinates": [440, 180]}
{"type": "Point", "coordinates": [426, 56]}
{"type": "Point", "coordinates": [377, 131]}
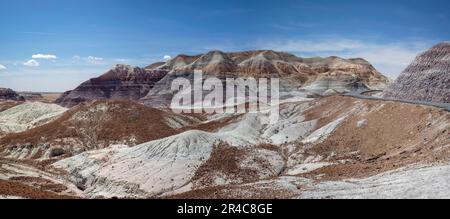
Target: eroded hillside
{"type": "Point", "coordinates": [315, 142]}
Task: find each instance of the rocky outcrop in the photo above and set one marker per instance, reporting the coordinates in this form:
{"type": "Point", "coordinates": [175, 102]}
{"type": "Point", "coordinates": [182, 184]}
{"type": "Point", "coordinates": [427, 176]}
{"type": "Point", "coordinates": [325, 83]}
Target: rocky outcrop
{"type": "Point", "coordinates": [427, 78]}
{"type": "Point", "coordinates": [263, 63]}
{"type": "Point", "coordinates": [122, 82]}
{"type": "Point", "coordinates": [8, 94]}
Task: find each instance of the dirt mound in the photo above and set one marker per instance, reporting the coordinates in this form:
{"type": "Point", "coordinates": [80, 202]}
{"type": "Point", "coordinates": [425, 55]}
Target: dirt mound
{"type": "Point", "coordinates": [90, 126]}
{"type": "Point", "coordinates": [427, 78]}
{"type": "Point", "coordinates": [232, 165]}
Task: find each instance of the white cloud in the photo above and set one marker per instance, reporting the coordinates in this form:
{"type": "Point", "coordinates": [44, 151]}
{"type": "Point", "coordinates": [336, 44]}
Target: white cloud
{"type": "Point", "coordinates": [167, 57]}
{"type": "Point", "coordinates": [31, 63]}
{"type": "Point", "coordinates": [43, 56]}
{"type": "Point", "coordinates": [2, 67]}
{"type": "Point", "coordinates": [389, 58]}
{"type": "Point", "coordinates": [89, 59]}
{"type": "Point", "coordinates": [95, 58]}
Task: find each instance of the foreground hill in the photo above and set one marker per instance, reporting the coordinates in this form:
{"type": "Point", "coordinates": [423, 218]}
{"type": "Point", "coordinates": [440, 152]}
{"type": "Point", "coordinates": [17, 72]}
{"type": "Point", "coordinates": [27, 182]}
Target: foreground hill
{"type": "Point", "coordinates": [92, 126]}
{"type": "Point", "coordinates": [333, 147]}
{"type": "Point", "coordinates": [427, 78]}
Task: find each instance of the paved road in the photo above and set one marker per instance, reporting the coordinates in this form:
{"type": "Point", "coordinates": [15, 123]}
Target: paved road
{"type": "Point", "coordinates": [445, 106]}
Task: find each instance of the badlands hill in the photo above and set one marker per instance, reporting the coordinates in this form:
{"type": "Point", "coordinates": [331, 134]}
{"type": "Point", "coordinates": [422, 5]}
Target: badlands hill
{"type": "Point", "coordinates": [310, 76]}
{"type": "Point", "coordinates": [18, 117]}
{"type": "Point", "coordinates": [8, 94]}
{"type": "Point", "coordinates": [91, 126]}
{"type": "Point", "coordinates": [263, 63]}
{"type": "Point", "coordinates": [152, 84]}
{"type": "Point", "coordinates": [427, 78]}
{"type": "Point", "coordinates": [122, 82]}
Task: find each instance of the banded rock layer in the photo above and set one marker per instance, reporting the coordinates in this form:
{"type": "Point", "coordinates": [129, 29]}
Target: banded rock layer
{"type": "Point", "coordinates": [305, 75]}
{"type": "Point", "coordinates": [427, 78]}
{"type": "Point", "coordinates": [121, 83]}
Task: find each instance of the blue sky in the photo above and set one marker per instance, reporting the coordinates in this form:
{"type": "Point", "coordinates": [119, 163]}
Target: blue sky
{"type": "Point", "coordinates": [53, 45]}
